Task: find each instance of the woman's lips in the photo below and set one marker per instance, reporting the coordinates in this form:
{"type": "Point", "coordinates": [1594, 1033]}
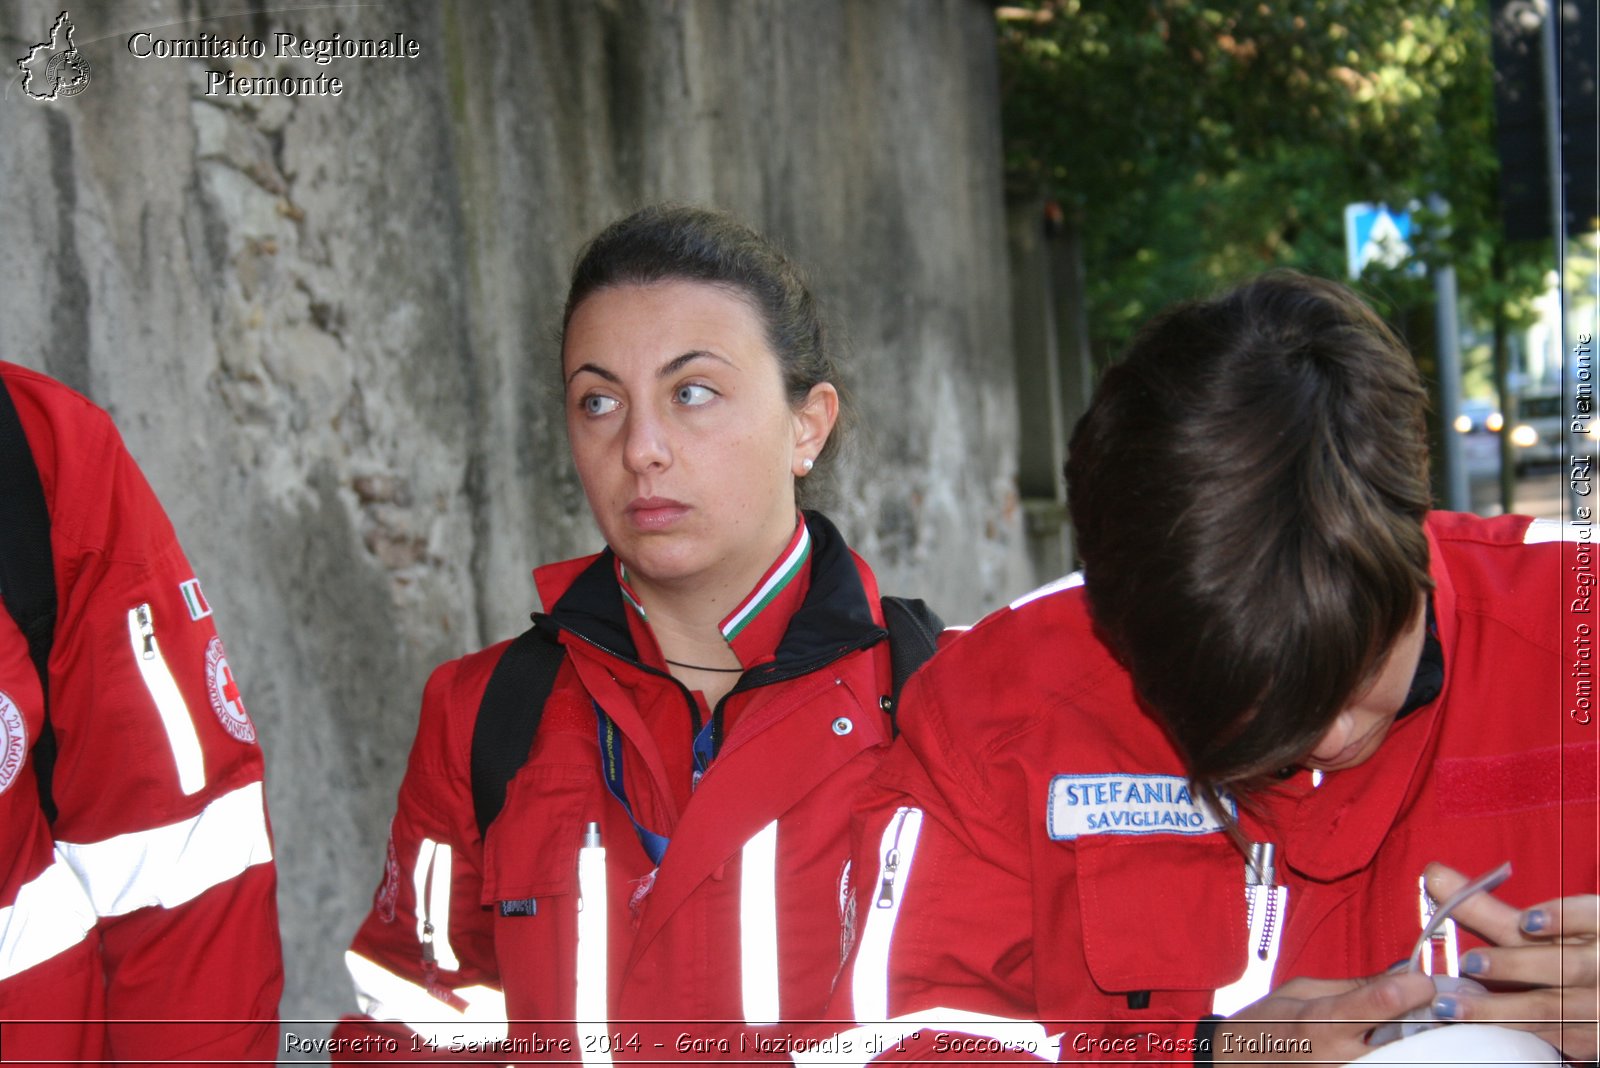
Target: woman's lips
{"type": "Point", "coordinates": [655, 513]}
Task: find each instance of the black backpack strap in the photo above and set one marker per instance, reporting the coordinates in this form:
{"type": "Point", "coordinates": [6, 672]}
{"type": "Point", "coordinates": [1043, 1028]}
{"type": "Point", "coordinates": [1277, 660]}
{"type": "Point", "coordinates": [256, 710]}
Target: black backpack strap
{"type": "Point", "coordinates": [509, 715]}
{"type": "Point", "coordinates": [27, 572]}
{"type": "Point", "coordinates": [913, 637]}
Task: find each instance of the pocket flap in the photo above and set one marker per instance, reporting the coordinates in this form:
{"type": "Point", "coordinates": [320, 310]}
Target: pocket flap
{"type": "Point", "coordinates": [1162, 915]}
{"type": "Point", "coordinates": [532, 846]}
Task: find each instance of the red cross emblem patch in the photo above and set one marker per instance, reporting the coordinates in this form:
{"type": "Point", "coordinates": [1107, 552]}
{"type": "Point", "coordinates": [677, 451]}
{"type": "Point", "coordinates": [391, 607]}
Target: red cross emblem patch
{"type": "Point", "coordinates": [13, 742]}
{"type": "Point", "coordinates": [226, 700]}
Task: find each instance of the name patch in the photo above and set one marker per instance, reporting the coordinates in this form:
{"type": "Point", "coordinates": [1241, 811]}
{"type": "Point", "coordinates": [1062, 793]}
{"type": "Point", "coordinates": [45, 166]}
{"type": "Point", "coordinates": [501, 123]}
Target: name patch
{"type": "Point", "coordinates": [1123, 803]}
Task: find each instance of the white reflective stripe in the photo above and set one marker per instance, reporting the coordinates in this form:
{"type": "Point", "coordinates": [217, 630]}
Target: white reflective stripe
{"type": "Point", "coordinates": [431, 879]}
{"type": "Point", "coordinates": [383, 995]}
{"type": "Point", "coordinates": [1543, 530]}
{"type": "Point", "coordinates": [50, 915]}
{"type": "Point", "coordinates": [419, 884]}
{"type": "Point", "coordinates": [758, 927]}
{"type": "Point", "coordinates": [439, 910]}
{"type": "Point", "coordinates": [1065, 582]}
{"type": "Point", "coordinates": [169, 865]}
{"type": "Point", "coordinates": [181, 737]}
{"type": "Point", "coordinates": [591, 1015]}
{"type": "Point", "coordinates": [851, 1047]}
{"type": "Point", "coordinates": [870, 984]}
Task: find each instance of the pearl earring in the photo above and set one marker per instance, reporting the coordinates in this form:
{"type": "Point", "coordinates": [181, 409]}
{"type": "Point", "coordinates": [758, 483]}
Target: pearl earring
{"type": "Point", "coordinates": [808, 463]}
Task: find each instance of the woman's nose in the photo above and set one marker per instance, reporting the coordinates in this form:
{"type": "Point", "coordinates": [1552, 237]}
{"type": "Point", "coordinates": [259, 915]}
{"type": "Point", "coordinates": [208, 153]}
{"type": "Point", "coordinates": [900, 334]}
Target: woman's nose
{"type": "Point", "coordinates": [645, 447]}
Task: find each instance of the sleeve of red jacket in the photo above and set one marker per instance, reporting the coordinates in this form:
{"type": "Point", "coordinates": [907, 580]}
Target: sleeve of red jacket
{"type": "Point", "coordinates": [942, 965]}
{"type": "Point", "coordinates": [158, 777]}
{"type": "Point", "coordinates": [423, 964]}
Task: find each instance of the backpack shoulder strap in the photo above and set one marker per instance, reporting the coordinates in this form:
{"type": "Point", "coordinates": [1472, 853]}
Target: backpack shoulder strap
{"type": "Point", "coordinates": [27, 571]}
{"type": "Point", "coordinates": [913, 637]}
{"type": "Point", "coordinates": [509, 715]}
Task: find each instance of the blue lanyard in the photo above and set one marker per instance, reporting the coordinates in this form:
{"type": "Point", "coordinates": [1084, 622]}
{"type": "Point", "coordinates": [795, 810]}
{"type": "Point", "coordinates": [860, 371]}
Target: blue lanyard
{"type": "Point", "coordinates": [655, 845]}
{"type": "Point", "coordinates": [706, 746]}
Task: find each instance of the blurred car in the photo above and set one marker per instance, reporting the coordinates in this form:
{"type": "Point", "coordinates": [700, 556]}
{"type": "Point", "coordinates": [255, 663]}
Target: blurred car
{"type": "Point", "coordinates": [1479, 417]}
{"type": "Point", "coordinates": [1540, 430]}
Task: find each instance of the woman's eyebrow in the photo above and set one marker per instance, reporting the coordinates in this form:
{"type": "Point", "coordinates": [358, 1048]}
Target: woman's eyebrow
{"type": "Point", "coordinates": [673, 366]}
{"type": "Point", "coordinates": [593, 369]}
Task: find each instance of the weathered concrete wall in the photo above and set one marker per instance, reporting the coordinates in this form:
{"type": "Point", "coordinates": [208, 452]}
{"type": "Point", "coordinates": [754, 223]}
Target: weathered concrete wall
{"type": "Point", "coordinates": [325, 323]}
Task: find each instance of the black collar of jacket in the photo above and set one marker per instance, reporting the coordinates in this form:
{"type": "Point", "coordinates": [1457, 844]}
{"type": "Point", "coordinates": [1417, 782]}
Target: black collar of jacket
{"type": "Point", "coordinates": [834, 619]}
{"type": "Point", "coordinates": [1428, 681]}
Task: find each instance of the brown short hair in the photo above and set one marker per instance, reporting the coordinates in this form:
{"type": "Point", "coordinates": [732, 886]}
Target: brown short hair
{"type": "Point", "coordinates": [1248, 488]}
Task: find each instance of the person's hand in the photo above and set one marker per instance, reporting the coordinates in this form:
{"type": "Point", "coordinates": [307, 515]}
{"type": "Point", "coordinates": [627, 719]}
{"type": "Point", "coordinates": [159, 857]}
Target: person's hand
{"type": "Point", "coordinates": [1546, 956]}
{"type": "Point", "coordinates": [1317, 1019]}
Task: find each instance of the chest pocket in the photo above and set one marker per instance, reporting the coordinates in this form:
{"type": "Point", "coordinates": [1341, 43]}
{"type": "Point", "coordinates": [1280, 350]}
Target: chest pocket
{"type": "Point", "coordinates": [1161, 912]}
{"type": "Point", "coordinates": [532, 848]}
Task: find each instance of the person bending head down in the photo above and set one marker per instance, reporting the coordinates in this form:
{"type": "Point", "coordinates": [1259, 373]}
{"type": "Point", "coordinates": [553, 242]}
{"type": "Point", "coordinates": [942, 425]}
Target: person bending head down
{"type": "Point", "coordinates": [1248, 489]}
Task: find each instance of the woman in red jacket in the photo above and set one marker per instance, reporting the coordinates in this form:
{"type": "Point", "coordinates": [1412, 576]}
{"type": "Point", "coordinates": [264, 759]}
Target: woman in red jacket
{"type": "Point", "coordinates": [674, 848]}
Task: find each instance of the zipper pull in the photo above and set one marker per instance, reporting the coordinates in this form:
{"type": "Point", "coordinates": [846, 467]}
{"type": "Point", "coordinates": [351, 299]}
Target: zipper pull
{"type": "Point", "coordinates": [428, 957]}
{"type": "Point", "coordinates": [147, 631]}
{"type": "Point", "coordinates": [1259, 870]}
{"type": "Point", "coordinates": [886, 888]}
{"type": "Point", "coordinates": [891, 862]}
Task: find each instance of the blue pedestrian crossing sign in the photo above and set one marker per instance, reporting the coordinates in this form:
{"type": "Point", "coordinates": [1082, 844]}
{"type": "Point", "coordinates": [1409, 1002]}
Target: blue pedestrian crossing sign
{"type": "Point", "coordinates": [1374, 234]}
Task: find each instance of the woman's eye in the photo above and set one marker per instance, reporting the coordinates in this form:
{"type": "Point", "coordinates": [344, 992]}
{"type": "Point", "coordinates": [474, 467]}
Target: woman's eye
{"type": "Point", "coordinates": [692, 395]}
{"type": "Point", "coordinates": [598, 404]}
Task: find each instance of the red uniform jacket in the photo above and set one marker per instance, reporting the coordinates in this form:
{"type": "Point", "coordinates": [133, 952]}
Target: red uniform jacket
{"type": "Point", "coordinates": [740, 922]}
{"type": "Point", "coordinates": [1032, 853]}
{"type": "Point", "coordinates": [153, 896]}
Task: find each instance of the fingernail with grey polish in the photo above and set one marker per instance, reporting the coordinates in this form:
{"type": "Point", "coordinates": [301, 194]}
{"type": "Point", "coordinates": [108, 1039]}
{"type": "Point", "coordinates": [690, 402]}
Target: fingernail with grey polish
{"type": "Point", "coordinates": [1474, 963]}
{"type": "Point", "coordinates": [1535, 920]}
{"type": "Point", "coordinates": [1445, 1007]}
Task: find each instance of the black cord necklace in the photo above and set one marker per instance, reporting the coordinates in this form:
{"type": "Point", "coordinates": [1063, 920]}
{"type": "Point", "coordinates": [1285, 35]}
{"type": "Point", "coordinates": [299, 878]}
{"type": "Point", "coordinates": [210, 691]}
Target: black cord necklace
{"type": "Point", "coordinates": [697, 667]}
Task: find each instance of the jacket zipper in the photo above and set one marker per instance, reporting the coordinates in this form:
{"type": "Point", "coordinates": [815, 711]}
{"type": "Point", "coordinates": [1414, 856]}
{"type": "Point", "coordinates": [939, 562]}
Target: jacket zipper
{"type": "Point", "coordinates": [1268, 909]}
{"type": "Point", "coordinates": [170, 706]}
{"type": "Point", "coordinates": [432, 879]}
{"type": "Point", "coordinates": [896, 851]}
{"type": "Point", "coordinates": [889, 863]}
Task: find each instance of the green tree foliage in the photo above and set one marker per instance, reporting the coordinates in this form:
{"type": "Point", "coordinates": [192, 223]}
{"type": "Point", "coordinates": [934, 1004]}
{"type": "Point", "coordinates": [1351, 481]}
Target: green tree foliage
{"type": "Point", "coordinates": [1197, 143]}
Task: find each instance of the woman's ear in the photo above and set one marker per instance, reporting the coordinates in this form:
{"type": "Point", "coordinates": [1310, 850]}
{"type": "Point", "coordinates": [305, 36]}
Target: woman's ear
{"type": "Point", "coordinates": [813, 422]}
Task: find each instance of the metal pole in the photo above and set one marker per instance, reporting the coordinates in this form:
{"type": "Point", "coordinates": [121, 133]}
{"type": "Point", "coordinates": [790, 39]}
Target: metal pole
{"type": "Point", "coordinates": [1550, 53]}
{"type": "Point", "coordinates": [1453, 467]}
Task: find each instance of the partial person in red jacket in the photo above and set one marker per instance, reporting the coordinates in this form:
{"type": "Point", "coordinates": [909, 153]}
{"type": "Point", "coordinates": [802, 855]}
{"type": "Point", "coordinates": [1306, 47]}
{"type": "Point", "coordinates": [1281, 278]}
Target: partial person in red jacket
{"type": "Point", "coordinates": [675, 847]}
{"type": "Point", "coordinates": [138, 918]}
{"type": "Point", "coordinates": [1197, 804]}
